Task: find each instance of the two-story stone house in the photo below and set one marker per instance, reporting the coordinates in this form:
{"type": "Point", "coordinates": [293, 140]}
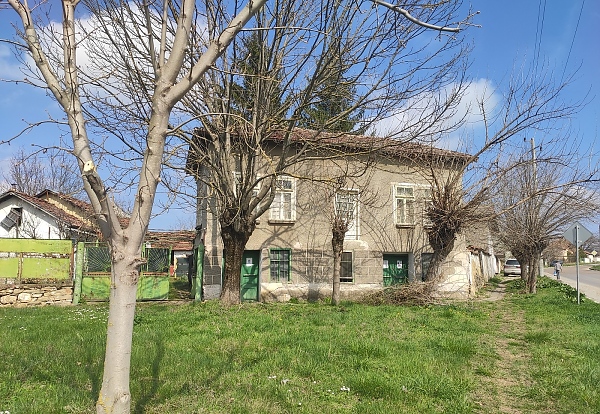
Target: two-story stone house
{"type": "Point", "coordinates": [384, 187]}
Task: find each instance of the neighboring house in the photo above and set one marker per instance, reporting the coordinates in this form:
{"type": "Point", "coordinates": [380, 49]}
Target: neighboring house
{"type": "Point", "coordinates": [559, 249]}
{"type": "Point", "coordinates": [25, 216]}
{"type": "Point", "coordinates": [181, 244]}
{"type": "Point", "coordinates": [290, 254]}
{"type": "Point", "coordinates": [53, 215]}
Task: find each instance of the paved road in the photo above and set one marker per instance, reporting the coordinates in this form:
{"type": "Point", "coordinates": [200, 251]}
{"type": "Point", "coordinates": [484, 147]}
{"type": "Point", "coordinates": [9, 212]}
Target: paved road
{"type": "Point", "coordinates": [589, 280]}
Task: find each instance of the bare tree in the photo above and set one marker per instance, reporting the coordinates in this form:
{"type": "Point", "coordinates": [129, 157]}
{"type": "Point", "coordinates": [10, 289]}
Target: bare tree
{"type": "Point", "coordinates": [297, 56]}
{"type": "Point", "coordinates": [530, 102]}
{"type": "Point", "coordinates": [34, 172]}
{"type": "Point", "coordinates": [174, 71]}
{"type": "Point", "coordinates": [177, 56]}
{"type": "Point", "coordinates": [541, 196]}
{"type": "Point", "coordinates": [338, 190]}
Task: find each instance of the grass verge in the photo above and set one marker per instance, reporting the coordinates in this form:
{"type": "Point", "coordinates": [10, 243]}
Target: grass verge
{"type": "Point", "coordinates": [526, 353]}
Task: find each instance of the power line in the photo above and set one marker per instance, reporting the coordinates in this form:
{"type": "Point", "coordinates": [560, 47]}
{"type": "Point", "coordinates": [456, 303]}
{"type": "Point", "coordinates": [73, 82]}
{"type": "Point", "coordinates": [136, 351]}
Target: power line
{"type": "Point", "coordinates": [538, 33]}
{"type": "Point", "coordinates": [573, 40]}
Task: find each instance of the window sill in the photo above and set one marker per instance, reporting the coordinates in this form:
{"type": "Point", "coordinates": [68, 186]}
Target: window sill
{"type": "Point", "coordinates": [281, 222]}
{"type": "Point", "coordinates": [405, 226]}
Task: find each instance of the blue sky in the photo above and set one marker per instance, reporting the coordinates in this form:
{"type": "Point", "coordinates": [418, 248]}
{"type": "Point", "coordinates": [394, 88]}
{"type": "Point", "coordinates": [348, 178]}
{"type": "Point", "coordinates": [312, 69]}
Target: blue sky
{"type": "Point", "coordinates": [558, 33]}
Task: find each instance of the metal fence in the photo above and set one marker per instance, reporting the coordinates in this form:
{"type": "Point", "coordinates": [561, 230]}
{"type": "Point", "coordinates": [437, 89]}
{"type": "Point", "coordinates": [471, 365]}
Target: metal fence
{"type": "Point", "coordinates": [94, 271]}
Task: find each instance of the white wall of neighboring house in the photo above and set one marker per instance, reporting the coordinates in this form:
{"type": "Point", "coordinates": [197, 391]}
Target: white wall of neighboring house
{"type": "Point", "coordinates": [34, 222]}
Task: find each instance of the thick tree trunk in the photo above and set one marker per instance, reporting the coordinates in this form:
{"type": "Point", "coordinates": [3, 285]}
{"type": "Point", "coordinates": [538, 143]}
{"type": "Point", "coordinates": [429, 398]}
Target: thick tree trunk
{"type": "Point", "coordinates": [529, 270]}
{"type": "Point", "coordinates": [442, 247]}
{"type": "Point", "coordinates": [234, 244]}
{"type": "Point", "coordinates": [532, 272]}
{"type": "Point", "coordinates": [337, 243]}
{"type": "Point", "coordinates": [115, 396]}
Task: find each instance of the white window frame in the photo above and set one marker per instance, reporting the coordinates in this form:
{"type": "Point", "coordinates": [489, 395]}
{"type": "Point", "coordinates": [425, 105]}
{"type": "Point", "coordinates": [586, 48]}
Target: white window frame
{"type": "Point", "coordinates": [281, 210]}
{"type": "Point", "coordinates": [237, 179]}
{"type": "Point", "coordinates": [407, 202]}
{"type": "Point", "coordinates": [427, 223]}
{"type": "Point", "coordinates": [353, 232]}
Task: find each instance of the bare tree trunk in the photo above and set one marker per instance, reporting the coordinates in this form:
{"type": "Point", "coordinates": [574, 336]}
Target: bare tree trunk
{"type": "Point", "coordinates": [442, 244]}
{"type": "Point", "coordinates": [234, 244]}
{"type": "Point", "coordinates": [529, 268]}
{"type": "Point", "coordinates": [337, 243]}
{"type": "Point", "coordinates": [115, 396]}
{"type": "Point", "coordinates": [173, 78]}
{"type": "Point", "coordinates": [531, 275]}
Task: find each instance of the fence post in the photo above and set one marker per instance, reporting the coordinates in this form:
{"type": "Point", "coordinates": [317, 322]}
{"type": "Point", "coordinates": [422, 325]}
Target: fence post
{"type": "Point", "coordinates": [198, 276]}
{"type": "Point", "coordinates": [78, 273]}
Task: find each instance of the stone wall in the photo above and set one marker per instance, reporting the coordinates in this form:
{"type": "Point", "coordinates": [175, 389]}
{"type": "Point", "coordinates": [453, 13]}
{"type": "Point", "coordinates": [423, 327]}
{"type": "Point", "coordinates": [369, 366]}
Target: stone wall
{"type": "Point", "coordinates": [21, 295]}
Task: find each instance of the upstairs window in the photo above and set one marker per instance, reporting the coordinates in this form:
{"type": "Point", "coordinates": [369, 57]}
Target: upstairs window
{"type": "Point", "coordinates": [283, 207]}
{"type": "Point", "coordinates": [346, 208]}
{"type": "Point", "coordinates": [426, 220]}
{"type": "Point", "coordinates": [404, 205]}
{"type": "Point", "coordinates": [237, 176]}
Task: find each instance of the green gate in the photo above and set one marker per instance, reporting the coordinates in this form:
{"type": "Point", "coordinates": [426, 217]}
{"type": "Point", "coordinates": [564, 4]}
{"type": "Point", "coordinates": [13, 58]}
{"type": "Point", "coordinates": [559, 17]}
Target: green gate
{"type": "Point", "coordinates": [96, 272]}
{"type": "Point", "coordinates": [395, 269]}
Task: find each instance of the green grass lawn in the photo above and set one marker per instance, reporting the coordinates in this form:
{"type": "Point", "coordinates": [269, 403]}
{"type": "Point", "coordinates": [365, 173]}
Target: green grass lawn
{"type": "Point", "coordinates": [524, 353]}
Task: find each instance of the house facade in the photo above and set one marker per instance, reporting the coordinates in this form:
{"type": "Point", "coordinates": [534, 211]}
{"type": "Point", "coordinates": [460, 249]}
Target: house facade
{"type": "Point", "coordinates": [34, 217]}
{"type": "Point", "coordinates": [289, 255]}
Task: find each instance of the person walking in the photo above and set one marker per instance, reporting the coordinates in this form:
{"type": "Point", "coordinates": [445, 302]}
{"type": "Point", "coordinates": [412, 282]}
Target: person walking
{"type": "Point", "coordinates": [557, 269]}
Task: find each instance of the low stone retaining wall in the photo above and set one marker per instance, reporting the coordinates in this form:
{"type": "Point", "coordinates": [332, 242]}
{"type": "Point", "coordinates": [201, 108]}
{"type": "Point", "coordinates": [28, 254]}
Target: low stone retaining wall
{"type": "Point", "coordinates": [35, 295]}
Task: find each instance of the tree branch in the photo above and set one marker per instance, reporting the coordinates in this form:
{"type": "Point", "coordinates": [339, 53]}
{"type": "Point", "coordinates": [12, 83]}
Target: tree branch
{"type": "Point", "coordinates": [413, 19]}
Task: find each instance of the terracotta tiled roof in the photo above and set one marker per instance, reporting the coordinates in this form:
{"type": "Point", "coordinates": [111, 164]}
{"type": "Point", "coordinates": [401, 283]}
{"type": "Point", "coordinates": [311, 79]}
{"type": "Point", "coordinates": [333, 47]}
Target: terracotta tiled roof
{"type": "Point", "coordinates": [176, 240]}
{"type": "Point", "coordinates": [391, 147]}
{"type": "Point", "coordinates": [84, 208]}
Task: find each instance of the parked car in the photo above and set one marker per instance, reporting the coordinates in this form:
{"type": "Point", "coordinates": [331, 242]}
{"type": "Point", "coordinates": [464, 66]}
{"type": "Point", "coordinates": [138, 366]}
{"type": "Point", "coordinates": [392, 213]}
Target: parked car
{"type": "Point", "coordinates": [512, 267]}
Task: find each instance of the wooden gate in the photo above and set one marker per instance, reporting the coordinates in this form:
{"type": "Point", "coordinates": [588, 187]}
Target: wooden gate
{"type": "Point", "coordinates": [94, 271]}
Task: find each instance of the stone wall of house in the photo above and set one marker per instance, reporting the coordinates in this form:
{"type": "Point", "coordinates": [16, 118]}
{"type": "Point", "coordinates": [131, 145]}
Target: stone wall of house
{"type": "Point", "coordinates": [484, 266]}
{"type": "Point", "coordinates": [21, 295]}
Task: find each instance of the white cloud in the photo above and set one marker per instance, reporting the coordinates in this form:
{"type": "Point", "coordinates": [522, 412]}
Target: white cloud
{"type": "Point", "coordinates": [10, 68]}
{"type": "Point", "coordinates": [418, 108]}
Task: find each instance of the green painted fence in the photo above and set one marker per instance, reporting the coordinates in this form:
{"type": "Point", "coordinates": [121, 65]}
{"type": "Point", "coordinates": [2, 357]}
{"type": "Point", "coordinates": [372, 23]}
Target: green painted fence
{"type": "Point", "coordinates": [31, 259]}
{"type": "Point", "coordinates": [93, 274]}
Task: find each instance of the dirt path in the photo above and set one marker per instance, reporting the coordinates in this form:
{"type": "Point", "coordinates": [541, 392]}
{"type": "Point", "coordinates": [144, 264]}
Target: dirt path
{"type": "Point", "coordinates": [504, 380]}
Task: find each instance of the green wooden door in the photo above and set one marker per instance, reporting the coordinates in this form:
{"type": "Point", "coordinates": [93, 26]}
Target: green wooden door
{"type": "Point", "coordinates": [395, 269]}
{"type": "Point", "coordinates": [249, 275]}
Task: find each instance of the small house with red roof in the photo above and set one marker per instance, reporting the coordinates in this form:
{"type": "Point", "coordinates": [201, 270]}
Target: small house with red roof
{"type": "Point", "coordinates": [58, 216]}
{"type": "Point", "coordinates": [34, 217]}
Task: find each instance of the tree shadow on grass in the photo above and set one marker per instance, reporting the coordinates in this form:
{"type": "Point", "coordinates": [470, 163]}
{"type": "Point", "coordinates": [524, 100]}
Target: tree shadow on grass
{"type": "Point", "coordinates": [151, 391]}
{"type": "Point", "coordinates": [93, 369]}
